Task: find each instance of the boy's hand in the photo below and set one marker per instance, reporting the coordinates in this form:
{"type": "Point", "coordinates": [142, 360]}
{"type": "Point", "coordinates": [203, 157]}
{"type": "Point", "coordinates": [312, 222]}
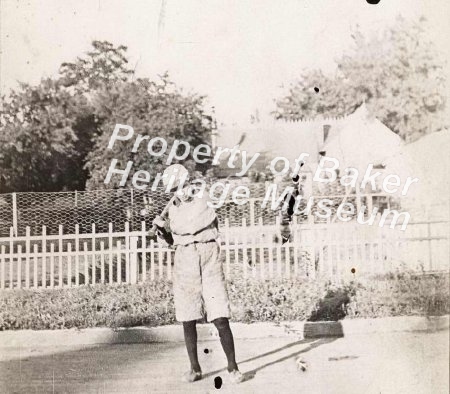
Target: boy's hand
{"type": "Point", "coordinates": [161, 231]}
{"type": "Point", "coordinates": [285, 233]}
{"type": "Point", "coordinates": [159, 222]}
{"type": "Point", "coordinates": [165, 235]}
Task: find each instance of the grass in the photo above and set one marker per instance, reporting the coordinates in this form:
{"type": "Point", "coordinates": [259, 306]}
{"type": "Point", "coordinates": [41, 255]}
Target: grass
{"type": "Point", "coordinates": [252, 300]}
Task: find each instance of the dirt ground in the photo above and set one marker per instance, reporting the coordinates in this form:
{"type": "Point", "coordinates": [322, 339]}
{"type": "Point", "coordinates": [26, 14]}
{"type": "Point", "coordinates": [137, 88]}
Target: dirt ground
{"type": "Point", "coordinates": [380, 363]}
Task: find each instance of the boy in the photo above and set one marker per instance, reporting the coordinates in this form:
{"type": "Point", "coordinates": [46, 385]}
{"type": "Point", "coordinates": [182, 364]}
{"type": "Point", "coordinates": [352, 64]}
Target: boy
{"type": "Point", "coordinates": [198, 274]}
{"type": "Point", "coordinates": [287, 214]}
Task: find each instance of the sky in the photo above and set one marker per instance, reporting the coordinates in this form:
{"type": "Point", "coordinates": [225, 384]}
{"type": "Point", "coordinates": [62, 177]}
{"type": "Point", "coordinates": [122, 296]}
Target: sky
{"type": "Point", "coordinates": [240, 54]}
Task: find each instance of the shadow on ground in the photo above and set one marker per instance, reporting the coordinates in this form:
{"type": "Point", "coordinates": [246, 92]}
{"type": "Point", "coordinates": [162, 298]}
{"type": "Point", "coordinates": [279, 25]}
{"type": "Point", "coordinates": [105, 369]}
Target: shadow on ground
{"type": "Point", "coordinates": [116, 367]}
{"type": "Point", "coordinates": [313, 343]}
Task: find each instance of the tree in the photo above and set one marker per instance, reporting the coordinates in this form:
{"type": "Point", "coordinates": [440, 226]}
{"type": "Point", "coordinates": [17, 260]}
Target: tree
{"type": "Point", "coordinates": [47, 130]}
{"type": "Point", "coordinates": [103, 66]}
{"type": "Point", "coordinates": [153, 108]}
{"type": "Point", "coordinates": [37, 138]}
{"type": "Point", "coordinates": [398, 74]}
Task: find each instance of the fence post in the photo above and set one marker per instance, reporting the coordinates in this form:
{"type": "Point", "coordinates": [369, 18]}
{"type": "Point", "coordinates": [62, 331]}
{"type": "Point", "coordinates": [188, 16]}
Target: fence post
{"type": "Point", "coordinates": [14, 209]}
{"type": "Point", "coordinates": [27, 257]}
{"type": "Point", "coordinates": [2, 273]}
{"type": "Point", "coordinates": [44, 258]}
{"type": "Point", "coordinates": [252, 212]}
{"type": "Point", "coordinates": [11, 254]}
{"type": "Point", "coordinates": [133, 259]}
{"type": "Point", "coordinates": [430, 252]}
{"type": "Point", "coordinates": [144, 252]}
{"type": "Point", "coordinates": [131, 219]}
{"type": "Point", "coordinates": [227, 247]}
{"type": "Point", "coordinates": [244, 248]}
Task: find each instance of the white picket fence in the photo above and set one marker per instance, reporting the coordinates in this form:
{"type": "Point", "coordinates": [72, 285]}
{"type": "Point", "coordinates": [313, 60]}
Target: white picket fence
{"type": "Point", "coordinates": [334, 250]}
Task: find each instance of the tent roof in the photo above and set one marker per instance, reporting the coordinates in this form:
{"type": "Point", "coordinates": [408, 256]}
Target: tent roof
{"type": "Point", "coordinates": [356, 140]}
{"type": "Point", "coordinates": [428, 160]}
{"type": "Point", "coordinates": [276, 138]}
{"type": "Point", "coordinates": [362, 140]}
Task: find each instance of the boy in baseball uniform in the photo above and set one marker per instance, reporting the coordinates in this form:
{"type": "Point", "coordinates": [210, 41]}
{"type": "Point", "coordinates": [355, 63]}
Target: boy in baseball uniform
{"type": "Point", "coordinates": [287, 214]}
{"type": "Point", "coordinates": [198, 278]}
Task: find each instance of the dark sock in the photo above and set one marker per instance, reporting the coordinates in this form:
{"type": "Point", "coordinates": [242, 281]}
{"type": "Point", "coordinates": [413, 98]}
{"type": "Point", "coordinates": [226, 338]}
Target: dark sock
{"type": "Point", "coordinates": [190, 338]}
{"type": "Point", "coordinates": [226, 339]}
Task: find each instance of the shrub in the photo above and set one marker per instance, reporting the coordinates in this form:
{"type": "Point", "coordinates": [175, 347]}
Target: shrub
{"type": "Point", "coordinates": [88, 306]}
{"type": "Point", "coordinates": [252, 300]}
{"type": "Point", "coordinates": [273, 300]}
{"type": "Point", "coordinates": [402, 294]}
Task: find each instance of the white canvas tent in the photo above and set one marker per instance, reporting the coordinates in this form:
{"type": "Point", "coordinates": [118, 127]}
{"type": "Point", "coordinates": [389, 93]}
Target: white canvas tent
{"type": "Point", "coordinates": [362, 140]}
{"type": "Point", "coordinates": [427, 159]}
{"type": "Point", "coordinates": [276, 138]}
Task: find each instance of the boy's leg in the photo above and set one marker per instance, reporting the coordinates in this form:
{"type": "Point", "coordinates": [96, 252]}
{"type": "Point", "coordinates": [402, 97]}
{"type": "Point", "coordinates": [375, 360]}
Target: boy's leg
{"type": "Point", "coordinates": [187, 290]}
{"type": "Point", "coordinates": [187, 284]}
{"type": "Point", "coordinates": [217, 304]}
{"type": "Point", "coordinates": [226, 339]}
{"type": "Point", "coordinates": [190, 338]}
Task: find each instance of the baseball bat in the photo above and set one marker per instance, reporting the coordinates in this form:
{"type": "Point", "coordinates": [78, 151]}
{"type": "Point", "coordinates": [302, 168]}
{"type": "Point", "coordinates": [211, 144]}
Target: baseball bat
{"type": "Point", "coordinates": [164, 212]}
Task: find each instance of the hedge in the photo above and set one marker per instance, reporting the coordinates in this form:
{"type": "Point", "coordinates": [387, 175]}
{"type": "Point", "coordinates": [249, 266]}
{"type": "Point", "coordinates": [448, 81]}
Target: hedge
{"type": "Point", "coordinates": [251, 300]}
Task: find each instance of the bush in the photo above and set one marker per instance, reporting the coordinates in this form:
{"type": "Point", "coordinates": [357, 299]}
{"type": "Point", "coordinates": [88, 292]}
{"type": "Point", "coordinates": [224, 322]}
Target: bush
{"type": "Point", "coordinates": [274, 300]}
{"type": "Point", "coordinates": [251, 300]}
{"type": "Point", "coordinates": [402, 294]}
{"type": "Point", "coordinates": [88, 306]}
{"type": "Point", "coordinates": [333, 306]}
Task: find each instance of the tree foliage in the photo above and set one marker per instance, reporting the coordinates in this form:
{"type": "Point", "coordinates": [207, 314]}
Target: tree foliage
{"type": "Point", "coordinates": [54, 135]}
{"type": "Point", "coordinates": [397, 73]}
{"type": "Point", "coordinates": [38, 139]}
{"type": "Point", "coordinates": [103, 66]}
{"type": "Point", "coordinates": [152, 108]}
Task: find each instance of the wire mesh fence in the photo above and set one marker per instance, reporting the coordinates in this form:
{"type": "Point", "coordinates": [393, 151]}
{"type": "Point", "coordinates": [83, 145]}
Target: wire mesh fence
{"type": "Point", "coordinates": [6, 213]}
{"type": "Point", "coordinates": [99, 207]}
{"type": "Point", "coordinates": [118, 206]}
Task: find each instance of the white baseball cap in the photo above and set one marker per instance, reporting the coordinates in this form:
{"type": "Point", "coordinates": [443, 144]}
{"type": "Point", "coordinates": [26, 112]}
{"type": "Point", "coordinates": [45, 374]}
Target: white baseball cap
{"type": "Point", "coordinates": [174, 174]}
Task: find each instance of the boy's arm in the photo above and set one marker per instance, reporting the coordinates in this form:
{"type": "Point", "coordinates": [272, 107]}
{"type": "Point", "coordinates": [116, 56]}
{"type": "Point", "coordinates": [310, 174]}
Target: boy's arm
{"type": "Point", "coordinates": [162, 231]}
{"type": "Point", "coordinates": [286, 216]}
